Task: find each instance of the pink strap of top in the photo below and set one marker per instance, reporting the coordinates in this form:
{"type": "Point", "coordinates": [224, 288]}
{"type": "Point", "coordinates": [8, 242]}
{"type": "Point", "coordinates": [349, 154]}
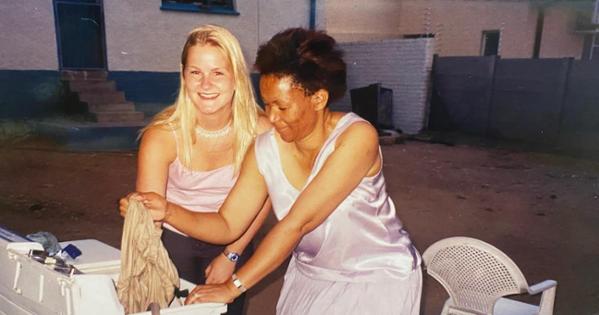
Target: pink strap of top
{"type": "Point", "coordinates": [201, 191]}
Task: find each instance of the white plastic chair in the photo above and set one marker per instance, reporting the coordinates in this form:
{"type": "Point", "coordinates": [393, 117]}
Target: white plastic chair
{"type": "Point", "coordinates": [476, 275]}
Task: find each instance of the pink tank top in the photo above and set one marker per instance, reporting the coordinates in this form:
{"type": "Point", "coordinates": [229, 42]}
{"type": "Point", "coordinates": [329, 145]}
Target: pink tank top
{"type": "Point", "coordinates": [361, 241]}
{"type": "Point", "coordinates": [200, 191]}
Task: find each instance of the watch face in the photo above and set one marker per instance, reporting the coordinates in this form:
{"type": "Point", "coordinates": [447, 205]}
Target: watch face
{"type": "Point", "coordinates": [233, 257]}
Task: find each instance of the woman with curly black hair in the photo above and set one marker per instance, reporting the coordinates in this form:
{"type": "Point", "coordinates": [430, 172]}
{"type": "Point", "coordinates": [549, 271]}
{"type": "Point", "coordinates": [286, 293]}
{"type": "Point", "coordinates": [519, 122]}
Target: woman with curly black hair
{"type": "Point", "coordinates": [323, 172]}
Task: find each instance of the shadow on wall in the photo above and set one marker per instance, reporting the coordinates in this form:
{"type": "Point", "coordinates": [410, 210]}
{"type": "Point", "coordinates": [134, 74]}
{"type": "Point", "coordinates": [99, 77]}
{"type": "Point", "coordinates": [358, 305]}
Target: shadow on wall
{"type": "Point", "coordinates": [32, 94]}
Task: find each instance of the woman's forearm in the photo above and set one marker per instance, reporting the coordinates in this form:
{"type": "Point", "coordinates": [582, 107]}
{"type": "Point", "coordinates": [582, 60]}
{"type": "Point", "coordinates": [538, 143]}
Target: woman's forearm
{"type": "Point", "coordinates": [236, 214]}
{"type": "Point", "coordinates": [239, 245]}
{"type": "Point", "coordinates": [271, 253]}
{"type": "Point", "coordinates": [206, 226]}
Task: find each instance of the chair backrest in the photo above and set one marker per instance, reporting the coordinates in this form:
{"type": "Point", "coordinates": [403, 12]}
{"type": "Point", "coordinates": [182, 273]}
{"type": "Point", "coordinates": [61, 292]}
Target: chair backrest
{"type": "Point", "coordinates": [474, 273]}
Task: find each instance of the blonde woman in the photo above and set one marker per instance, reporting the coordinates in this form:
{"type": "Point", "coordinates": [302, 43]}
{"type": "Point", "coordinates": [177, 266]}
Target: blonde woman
{"type": "Point", "coordinates": [191, 152]}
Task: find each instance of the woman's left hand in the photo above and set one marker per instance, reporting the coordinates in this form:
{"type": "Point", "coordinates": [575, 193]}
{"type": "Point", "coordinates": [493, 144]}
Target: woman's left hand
{"type": "Point", "coordinates": [224, 293]}
{"type": "Point", "coordinates": [219, 270]}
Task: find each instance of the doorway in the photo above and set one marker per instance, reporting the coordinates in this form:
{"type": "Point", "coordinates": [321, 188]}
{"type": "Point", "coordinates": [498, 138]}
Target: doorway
{"type": "Point", "coordinates": [80, 34]}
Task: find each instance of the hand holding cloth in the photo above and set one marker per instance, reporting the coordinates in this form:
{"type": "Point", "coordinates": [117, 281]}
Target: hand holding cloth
{"type": "Point", "coordinates": [147, 273]}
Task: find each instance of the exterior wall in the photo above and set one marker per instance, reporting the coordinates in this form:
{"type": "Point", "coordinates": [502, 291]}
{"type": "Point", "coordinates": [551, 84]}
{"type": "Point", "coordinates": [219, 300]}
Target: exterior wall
{"type": "Point", "coordinates": [143, 47]}
{"type": "Point", "coordinates": [138, 31]}
{"type": "Point", "coordinates": [27, 35]}
{"type": "Point", "coordinates": [353, 20]}
{"type": "Point", "coordinates": [275, 16]}
{"type": "Point", "coordinates": [559, 38]}
{"type": "Point", "coordinates": [141, 37]}
{"type": "Point", "coordinates": [402, 65]}
{"type": "Point", "coordinates": [144, 43]}
{"type": "Point", "coordinates": [457, 24]}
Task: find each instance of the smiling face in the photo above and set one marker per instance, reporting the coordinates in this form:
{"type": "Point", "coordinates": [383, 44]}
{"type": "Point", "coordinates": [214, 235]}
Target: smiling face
{"type": "Point", "coordinates": [293, 113]}
{"type": "Point", "coordinates": [209, 80]}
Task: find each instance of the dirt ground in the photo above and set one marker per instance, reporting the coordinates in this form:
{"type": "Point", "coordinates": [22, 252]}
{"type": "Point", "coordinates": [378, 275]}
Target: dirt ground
{"type": "Point", "coordinates": [541, 209]}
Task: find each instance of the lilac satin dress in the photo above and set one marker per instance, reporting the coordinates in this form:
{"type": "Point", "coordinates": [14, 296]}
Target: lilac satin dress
{"type": "Point", "coordinates": [360, 260]}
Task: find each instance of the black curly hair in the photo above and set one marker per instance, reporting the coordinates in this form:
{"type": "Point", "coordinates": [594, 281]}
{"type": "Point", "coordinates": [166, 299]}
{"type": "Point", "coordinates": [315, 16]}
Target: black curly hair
{"type": "Point", "coordinates": [311, 58]}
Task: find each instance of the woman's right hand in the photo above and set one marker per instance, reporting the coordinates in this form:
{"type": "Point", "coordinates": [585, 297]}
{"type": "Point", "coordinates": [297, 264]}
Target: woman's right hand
{"type": "Point", "coordinates": [219, 270]}
{"type": "Point", "coordinates": [124, 204]}
{"type": "Point", "coordinates": [153, 202]}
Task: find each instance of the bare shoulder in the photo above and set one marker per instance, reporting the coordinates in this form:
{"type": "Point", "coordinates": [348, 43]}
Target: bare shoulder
{"type": "Point", "coordinates": [264, 124]}
{"type": "Point", "coordinates": [159, 139]}
{"type": "Point", "coordinates": [361, 139]}
{"type": "Point", "coordinates": [361, 133]}
{"type": "Point", "coordinates": [158, 133]}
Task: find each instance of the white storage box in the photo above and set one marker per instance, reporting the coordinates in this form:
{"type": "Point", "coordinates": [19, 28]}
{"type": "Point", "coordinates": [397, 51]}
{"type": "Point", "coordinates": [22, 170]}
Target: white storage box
{"type": "Point", "coordinates": [30, 287]}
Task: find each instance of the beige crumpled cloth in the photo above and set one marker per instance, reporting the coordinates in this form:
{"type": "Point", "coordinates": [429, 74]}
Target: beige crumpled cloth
{"type": "Point", "coordinates": [147, 273]}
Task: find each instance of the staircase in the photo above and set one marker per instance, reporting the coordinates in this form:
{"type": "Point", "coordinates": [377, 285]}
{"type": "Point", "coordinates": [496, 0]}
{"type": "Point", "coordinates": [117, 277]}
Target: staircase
{"type": "Point", "coordinates": [100, 99]}
{"type": "Point", "coordinates": [97, 117]}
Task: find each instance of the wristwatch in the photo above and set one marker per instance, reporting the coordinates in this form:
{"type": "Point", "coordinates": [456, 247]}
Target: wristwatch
{"type": "Point", "coordinates": [232, 256]}
{"type": "Point", "coordinates": [238, 284]}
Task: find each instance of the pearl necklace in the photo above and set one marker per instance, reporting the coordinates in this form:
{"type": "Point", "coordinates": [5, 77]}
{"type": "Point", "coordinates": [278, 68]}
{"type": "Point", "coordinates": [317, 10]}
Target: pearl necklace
{"type": "Point", "coordinates": [213, 133]}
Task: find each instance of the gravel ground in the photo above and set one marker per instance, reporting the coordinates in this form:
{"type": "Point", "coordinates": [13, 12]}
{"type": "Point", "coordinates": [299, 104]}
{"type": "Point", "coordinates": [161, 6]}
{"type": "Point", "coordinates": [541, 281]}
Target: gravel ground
{"type": "Point", "coordinates": [539, 208]}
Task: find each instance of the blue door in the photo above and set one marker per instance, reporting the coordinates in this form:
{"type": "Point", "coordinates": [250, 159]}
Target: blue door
{"type": "Point", "coordinates": [80, 34]}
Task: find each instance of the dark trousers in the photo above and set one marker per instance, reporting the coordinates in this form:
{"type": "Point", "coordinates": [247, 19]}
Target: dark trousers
{"type": "Point", "coordinates": [191, 257]}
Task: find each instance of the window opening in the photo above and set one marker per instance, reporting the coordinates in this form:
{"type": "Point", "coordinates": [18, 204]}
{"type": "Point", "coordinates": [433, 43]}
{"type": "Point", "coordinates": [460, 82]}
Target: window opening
{"type": "Point", "coordinates": [490, 43]}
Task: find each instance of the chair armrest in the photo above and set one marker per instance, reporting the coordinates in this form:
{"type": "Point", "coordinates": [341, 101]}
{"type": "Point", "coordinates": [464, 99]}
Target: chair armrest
{"type": "Point", "coordinates": [541, 286]}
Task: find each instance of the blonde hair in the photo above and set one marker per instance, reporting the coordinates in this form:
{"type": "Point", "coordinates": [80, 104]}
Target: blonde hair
{"type": "Point", "coordinates": [182, 114]}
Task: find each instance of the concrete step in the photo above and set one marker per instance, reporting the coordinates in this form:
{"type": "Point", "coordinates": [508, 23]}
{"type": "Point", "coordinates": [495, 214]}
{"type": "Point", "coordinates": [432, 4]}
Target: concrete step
{"type": "Point", "coordinates": [83, 86]}
{"type": "Point", "coordinates": [111, 107]}
{"type": "Point", "coordinates": [102, 97]}
{"type": "Point", "coordinates": [105, 117]}
{"type": "Point", "coordinates": [83, 75]}
{"type": "Point", "coordinates": [104, 103]}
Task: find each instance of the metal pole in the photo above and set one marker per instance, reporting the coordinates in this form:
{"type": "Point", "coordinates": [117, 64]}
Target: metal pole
{"type": "Point", "coordinates": [312, 14]}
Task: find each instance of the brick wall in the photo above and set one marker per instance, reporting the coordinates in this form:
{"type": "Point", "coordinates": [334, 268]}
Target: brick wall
{"type": "Point", "coordinates": [402, 65]}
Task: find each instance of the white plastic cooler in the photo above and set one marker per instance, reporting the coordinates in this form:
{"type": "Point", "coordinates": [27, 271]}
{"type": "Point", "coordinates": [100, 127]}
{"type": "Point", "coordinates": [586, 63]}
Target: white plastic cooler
{"type": "Point", "coordinates": [30, 287]}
